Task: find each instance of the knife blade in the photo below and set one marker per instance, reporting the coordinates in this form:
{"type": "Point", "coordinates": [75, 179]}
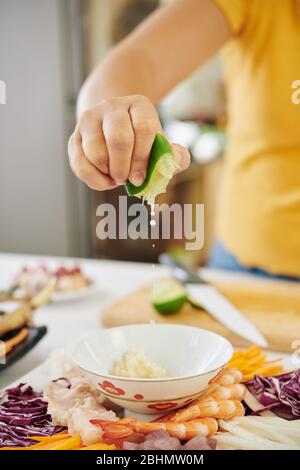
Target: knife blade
{"type": "Point", "coordinates": [208, 297]}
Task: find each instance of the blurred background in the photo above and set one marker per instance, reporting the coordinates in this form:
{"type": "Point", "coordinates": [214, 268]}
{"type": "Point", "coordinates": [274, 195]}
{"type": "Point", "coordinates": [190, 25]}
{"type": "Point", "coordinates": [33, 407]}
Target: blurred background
{"type": "Point", "coordinates": [47, 48]}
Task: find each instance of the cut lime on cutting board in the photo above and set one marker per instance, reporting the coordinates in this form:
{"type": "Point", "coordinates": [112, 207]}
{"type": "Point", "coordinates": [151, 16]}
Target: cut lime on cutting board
{"type": "Point", "coordinates": [168, 297]}
{"type": "Point", "coordinates": [161, 168]}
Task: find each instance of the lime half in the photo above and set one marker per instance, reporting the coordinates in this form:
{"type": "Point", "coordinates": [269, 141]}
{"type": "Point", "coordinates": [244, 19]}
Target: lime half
{"type": "Point", "coordinates": [168, 296]}
{"type": "Point", "coordinates": [161, 168]}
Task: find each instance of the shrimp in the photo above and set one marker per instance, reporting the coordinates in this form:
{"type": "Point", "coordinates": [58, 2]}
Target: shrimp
{"type": "Point", "coordinates": [220, 400]}
{"type": "Point", "coordinates": [234, 391]}
{"type": "Point", "coordinates": [210, 408]}
{"type": "Point", "coordinates": [184, 431]}
{"type": "Point", "coordinates": [214, 391]}
{"type": "Point", "coordinates": [116, 432]}
{"type": "Point", "coordinates": [228, 376]}
{"type": "Point", "coordinates": [230, 392]}
{"type": "Point", "coordinates": [208, 391]}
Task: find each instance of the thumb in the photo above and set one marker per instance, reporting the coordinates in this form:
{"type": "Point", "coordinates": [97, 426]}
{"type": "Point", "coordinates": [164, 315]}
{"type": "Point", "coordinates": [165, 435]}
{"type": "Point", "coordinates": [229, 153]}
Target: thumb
{"type": "Point", "coordinates": [182, 157]}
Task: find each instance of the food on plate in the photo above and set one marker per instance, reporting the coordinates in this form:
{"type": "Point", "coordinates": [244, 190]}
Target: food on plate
{"type": "Point", "coordinates": [168, 296]}
{"type": "Point", "coordinates": [23, 414]}
{"type": "Point", "coordinates": [77, 404]}
{"type": "Point", "coordinates": [161, 168]}
{"type": "Point", "coordinates": [22, 314]}
{"type": "Point", "coordinates": [18, 318]}
{"type": "Point", "coordinates": [198, 418]}
{"type": "Point", "coordinates": [184, 431]}
{"type": "Point", "coordinates": [258, 433]}
{"type": "Point", "coordinates": [234, 391]}
{"type": "Point", "coordinates": [30, 421]}
{"type": "Point", "coordinates": [61, 441]}
{"type": "Point", "coordinates": [73, 402]}
{"type": "Point", "coordinates": [253, 361]}
{"type": "Point", "coordinates": [66, 443]}
{"type": "Point", "coordinates": [228, 376]}
{"type": "Point", "coordinates": [14, 323]}
{"type": "Point", "coordinates": [99, 446]}
{"type": "Point", "coordinates": [161, 440]}
{"type": "Point", "coordinates": [277, 394]}
{"type": "Point", "coordinates": [9, 344]}
{"type": "Point", "coordinates": [72, 414]}
{"type": "Point", "coordinates": [70, 280]}
{"type": "Point", "coordinates": [221, 399]}
{"type": "Point", "coordinates": [226, 409]}
{"type": "Point", "coordinates": [32, 280]}
{"type": "Point", "coordinates": [60, 364]}
{"type": "Point", "coordinates": [135, 363]}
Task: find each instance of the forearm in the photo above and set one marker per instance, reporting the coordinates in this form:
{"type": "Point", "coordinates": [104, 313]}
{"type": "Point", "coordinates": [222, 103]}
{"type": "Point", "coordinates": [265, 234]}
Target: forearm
{"type": "Point", "coordinates": [117, 118]}
{"type": "Point", "coordinates": [160, 53]}
{"type": "Point", "coordinates": [122, 73]}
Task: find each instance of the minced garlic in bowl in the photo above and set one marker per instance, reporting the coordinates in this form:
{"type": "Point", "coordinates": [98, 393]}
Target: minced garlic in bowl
{"type": "Point", "coordinates": [136, 364]}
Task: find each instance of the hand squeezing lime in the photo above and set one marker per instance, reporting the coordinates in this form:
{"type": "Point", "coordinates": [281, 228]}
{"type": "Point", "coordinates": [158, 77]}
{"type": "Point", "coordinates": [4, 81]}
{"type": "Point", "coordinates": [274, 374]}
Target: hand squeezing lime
{"type": "Point", "coordinates": [161, 168]}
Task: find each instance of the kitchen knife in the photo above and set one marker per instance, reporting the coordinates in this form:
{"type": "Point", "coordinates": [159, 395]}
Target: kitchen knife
{"type": "Point", "coordinates": [205, 295]}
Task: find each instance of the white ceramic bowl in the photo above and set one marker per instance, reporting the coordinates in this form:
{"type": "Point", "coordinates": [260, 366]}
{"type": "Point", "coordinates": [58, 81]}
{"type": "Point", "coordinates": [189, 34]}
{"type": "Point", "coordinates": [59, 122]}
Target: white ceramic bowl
{"type": "Point", "coordinates": [192, 357]}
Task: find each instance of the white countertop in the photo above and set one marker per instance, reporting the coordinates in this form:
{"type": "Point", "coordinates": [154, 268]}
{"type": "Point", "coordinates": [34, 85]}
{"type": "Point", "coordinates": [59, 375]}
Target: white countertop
{"type": "Point", "coordinates": [66, 320]}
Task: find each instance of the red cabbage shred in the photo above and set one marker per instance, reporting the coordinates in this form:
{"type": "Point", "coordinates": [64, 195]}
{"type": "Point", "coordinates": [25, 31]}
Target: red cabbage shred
{"type": "Point", "coordinates": [23, 413]}
{"type": "Point", "coordinates": [280, 394]}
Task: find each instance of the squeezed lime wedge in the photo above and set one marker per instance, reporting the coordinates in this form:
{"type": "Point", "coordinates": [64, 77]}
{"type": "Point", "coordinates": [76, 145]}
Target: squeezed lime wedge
{"type": "Point", "coordinates": [168, 296]}
{"type": "Point", "coordinates": [161, 168]}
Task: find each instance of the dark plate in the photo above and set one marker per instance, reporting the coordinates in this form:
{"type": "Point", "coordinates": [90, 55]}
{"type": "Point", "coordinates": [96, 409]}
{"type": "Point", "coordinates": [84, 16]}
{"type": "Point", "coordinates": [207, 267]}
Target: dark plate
{"type": "Point", "coordinates": [35, 334]}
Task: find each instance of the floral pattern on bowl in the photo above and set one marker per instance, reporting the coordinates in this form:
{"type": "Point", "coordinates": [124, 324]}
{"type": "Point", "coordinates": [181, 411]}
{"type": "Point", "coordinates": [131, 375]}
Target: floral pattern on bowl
{"type": "Point", "coordinates": [111, 388]}
{"type": "Point", "coordinates": [162, 406]}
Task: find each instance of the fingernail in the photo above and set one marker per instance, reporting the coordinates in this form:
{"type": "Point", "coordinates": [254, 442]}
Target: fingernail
{"type": "Point", "coordinates": [182, 158]}
{"type": "Point", "coordinates": [137, 178]}
{"type": "Point", "coordinates": [119, 182]}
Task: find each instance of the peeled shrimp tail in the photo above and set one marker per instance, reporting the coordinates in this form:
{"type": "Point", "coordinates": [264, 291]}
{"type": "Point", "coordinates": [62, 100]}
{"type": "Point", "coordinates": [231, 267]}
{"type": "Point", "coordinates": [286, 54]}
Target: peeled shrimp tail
{"type": "Point", "coordinates": [104, 422]}
{"type": "Point", "coordinates": [114, 430]}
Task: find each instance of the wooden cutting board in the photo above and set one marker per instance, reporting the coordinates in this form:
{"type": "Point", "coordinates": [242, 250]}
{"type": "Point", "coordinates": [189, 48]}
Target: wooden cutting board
{"type": "Point", "coordinates": [273, 306]}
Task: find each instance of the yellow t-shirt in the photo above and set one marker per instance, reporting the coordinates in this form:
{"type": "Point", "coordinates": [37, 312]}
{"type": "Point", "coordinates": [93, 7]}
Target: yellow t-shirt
{"type": "Point", "coordinates": [259, 210]}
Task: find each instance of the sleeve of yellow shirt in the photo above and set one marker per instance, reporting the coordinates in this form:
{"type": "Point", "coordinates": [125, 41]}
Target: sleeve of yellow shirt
{"type": "Point", "coordinates": [235, 12]}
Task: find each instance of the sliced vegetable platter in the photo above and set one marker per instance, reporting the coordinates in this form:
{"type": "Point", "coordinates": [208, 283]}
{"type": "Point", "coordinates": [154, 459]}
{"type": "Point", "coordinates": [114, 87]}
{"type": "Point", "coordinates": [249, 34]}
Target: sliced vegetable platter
{"type": "Point", "coordinates": [253, 404]}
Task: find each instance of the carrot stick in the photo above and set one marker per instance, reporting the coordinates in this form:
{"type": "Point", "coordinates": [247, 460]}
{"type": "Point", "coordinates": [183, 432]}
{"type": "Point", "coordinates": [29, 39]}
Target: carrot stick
{"type": "Point", "coordinates": [99, 446]}
{"type": "Point", "coordinates": [55, 437]}
{"type": "Point", "coordinates": [71, 443]}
